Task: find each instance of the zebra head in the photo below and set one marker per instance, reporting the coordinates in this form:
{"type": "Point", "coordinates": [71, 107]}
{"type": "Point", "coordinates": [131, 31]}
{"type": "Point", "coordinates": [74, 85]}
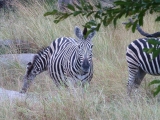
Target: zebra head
{"type": "Point", "coordinates": [34, 68]}
{"type": "Point", "coordinates": [84, 48]}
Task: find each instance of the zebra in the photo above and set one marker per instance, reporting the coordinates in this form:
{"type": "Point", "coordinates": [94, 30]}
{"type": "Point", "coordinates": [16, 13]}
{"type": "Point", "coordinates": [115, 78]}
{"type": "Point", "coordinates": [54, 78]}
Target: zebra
{"type": "Point", "coordinates": [139, 62]}
{"type": "Point", "coordinates": [40, 63]}
{"type": "Point", "coordinates": [66, 59]}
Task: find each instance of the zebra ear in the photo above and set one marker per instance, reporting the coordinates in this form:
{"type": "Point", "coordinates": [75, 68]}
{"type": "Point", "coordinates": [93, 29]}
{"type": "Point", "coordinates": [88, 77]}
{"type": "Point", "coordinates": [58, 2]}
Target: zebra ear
{"type": "Point", "coordinates": [91, 35]}
{"type": "Point", "coordinates": [78, 32]}
{"type": "Point", "coordinates": [29, 65]}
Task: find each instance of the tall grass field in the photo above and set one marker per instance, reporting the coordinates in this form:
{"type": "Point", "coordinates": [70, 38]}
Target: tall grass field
{"type": "Point", "coordinates": [104, 99]}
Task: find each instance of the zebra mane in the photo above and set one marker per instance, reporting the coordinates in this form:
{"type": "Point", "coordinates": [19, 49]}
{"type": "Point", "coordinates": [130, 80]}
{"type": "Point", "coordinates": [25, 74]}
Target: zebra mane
{"type": "Point", "coordinates": [42, 49]}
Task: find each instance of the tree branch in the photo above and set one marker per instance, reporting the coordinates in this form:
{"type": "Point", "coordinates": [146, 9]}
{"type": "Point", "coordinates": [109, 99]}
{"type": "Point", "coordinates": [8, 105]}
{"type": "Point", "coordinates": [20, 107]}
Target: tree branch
{"type": "Point", "coordinates": [156, 34]}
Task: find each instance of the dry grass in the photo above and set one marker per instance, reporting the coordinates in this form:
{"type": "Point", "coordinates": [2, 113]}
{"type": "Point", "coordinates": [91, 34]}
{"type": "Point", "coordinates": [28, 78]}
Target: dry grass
{"type": "Point", "coordinates": [104, 99]}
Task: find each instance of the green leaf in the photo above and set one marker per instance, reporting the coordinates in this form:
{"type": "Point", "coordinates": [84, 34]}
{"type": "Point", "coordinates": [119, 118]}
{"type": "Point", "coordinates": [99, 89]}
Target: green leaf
{"type": "Point", "coordinates": [105, 21]}
{"type": "Point", "coordinates": [92, 23]}
{"type": "Point", "coordinates": [119, 2]}
{"type": "Point", "coordinates": [82, 3]}
{"type": "Point", "coordinates": [77, 13]}
{"type": "Point", "coordinates": [61, 17]}
{"type": "Point", "coordinates": [97, 15]}
{"type": "Point", "coordinates": [149, 50]}
{"type": "Point", "coordinates": [98, 26]}
{"type": "Point", "coordinates": [78, 7]}
{"type": "Point", "coordinates": [128, 25]}
{"type": "Point", "coordinates": [90, 13]}
{"type": "Point", "coordinates": [98, 5]}
{"type": "Point", "coordinates": [142, 13]}
{"type": "Point", "coordinates": [158, 18]}
{"type": "Point", "coordinates": [141, 20]}
{"type": "Point", "coordinates": [71, 7]}
{"type": "Point", "coordinates": [56, 21]}
{"type": "Point", "coordinates": [51, 13]}
{"type": "Point", "coordinates": [117, 10]}
{"type": "Point", "coordinates": [157, 90]}
{"type": "Point", "coordinates": [134, 26]}
{"type": "Point", "coordinates": [85, 8]}
{"type": "Point", "coordinates": [153, 42]}
{"type": "Point", "coordinates": [154, 82]}
{"type": "Point", "coordinates": [109, 20]}
{"type": "Point", "coordinates": [90, 6]}
{"type": "Point", "coordinates": [121, 14]}
{"type": "Point", "coordinates": [156, 53]}
{"type": "Point", "coordinates": [140, 16]}
{"type": "Point", "coordinates": [115, 21]}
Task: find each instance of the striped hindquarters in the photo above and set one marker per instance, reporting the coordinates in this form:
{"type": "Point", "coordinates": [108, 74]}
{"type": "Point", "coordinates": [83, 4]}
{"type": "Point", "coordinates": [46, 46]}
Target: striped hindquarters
{"type": "Point", "coordinates": [136, 57]}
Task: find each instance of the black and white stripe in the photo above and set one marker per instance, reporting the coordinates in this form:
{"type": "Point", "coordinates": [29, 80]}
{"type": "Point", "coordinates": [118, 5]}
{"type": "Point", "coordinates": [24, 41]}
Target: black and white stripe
{"type": "Point", "coordinates": [72, 59]}
{"type": "Point", "coordinates": [140, 62]}
{"type": "Point", "coordinates": [40, 63]}
{"type": "Point", "coordinates": [67, 60]}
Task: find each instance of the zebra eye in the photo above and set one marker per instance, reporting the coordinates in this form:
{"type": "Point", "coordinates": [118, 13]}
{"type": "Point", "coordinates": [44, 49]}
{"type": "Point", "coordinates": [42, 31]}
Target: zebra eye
{"type": "Point", "coordinates": [91, 46]}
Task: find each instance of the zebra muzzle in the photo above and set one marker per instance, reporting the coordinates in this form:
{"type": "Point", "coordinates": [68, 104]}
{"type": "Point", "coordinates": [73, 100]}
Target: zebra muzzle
{"type": "Point", "coordinates": [85, 65]}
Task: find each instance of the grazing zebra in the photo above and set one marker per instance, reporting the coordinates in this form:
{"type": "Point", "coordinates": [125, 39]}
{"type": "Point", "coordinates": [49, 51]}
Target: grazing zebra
{"type": "Point", "coordinates": [139, 62]}
{"type": "Point", "coordinates": [66, 59]}
{"type": "Point", "coordinates": [40, 63]}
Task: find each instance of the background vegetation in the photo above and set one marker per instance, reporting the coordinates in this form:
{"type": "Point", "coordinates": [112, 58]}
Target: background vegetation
{"type": "Point", "coordinates": [105, 15]}
{"type": "Point", "coordinates": [105, 98]}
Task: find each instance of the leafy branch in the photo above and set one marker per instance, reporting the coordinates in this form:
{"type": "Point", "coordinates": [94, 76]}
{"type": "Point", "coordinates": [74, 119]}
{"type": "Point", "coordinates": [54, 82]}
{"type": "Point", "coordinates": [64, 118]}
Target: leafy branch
{"type": "Point", "coordinates": [107, 15]}
{"type": "Point", "coordinates": [157, 89]}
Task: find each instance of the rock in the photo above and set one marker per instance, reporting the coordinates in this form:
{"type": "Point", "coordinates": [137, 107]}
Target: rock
{"type": "Point", "coordinates": [10, 95]}
{"type": "Point", "coordinates": [62, 4]}
{"type": "Point", "coordinates": [22, 59]}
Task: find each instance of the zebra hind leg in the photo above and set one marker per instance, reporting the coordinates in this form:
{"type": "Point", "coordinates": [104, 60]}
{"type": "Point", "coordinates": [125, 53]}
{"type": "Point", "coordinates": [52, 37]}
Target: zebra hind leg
{"type": "Point", "coordinates": [139, 77]}
{"type": "Point", "coordinates": [135, 81]}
